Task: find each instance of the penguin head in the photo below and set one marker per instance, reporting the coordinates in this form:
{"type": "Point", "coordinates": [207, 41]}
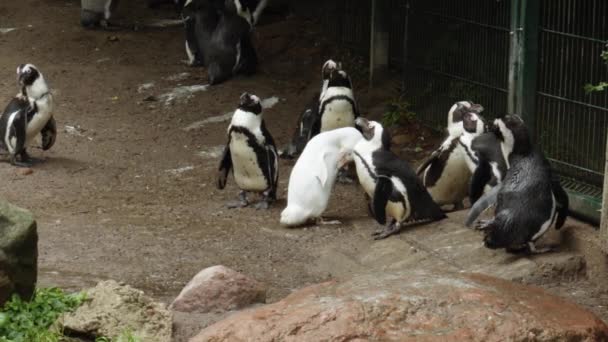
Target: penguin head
{"type": "Point", "coordinates": [27, 74]}
{"type": "Point", "coordinates": [339, 78]}
{"type": "Point", "coordinates": [461, 107]}
{"type": "Point", "coordinates": [373, 132]}
{"type": "Point", "coordinates": [513, 133]}
{"type": "Point", "coordinates": [473, 123]}
{"type": "Point", "coordinates": [328, 67]}
{"type": "Point", "coordinates": [250, 103]}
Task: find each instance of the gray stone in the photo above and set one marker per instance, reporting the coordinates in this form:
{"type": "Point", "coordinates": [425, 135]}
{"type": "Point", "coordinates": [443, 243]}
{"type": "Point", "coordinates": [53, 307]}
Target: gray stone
{"type": "Point", "coordinates": [112, 309]}
{"type": "Point", "coordinates": [18, 252]}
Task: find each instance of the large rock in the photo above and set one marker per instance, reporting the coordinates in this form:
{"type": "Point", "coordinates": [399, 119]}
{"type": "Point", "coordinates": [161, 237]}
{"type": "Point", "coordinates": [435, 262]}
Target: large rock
{"type": "Point", "coordinates": [18, 252]}
{"type": "Point", "coordinates": [219, 288]}
{"type": "Point", "coordinates": [413, 306]}
{"type": "Point", "coordinates": [112, 309]}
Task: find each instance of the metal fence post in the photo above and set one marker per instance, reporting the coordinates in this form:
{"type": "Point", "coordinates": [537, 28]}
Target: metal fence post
{"type": "Point", "coordinates": [604, 219]}
{"type": "Point", "coordinates": [523, 60]}
{"type": "Point", "coordinates": [379, 40]}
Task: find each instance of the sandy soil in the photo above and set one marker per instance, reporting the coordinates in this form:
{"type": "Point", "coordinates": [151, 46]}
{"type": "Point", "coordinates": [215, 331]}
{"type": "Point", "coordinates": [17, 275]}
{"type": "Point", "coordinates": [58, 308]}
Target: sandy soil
{"type": "Point", "coordinates": [128, 192]}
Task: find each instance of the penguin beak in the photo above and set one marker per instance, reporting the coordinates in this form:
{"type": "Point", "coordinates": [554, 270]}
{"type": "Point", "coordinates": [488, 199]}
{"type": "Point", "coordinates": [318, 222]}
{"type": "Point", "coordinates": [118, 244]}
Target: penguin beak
{"type": "Point", "coordinates": [245, 99]}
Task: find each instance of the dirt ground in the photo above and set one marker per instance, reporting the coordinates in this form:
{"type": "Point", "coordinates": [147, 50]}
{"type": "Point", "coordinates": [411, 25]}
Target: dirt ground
{"type": "Point", "coordinates": [128, 192]}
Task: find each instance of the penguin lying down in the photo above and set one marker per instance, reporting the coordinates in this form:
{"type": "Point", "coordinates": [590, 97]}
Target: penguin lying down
{"type": "Point", "coordinates": [390, 182]}
{"type": "Point", "coordinates": [529, 200]}
{"type": "Point", "coordinates": [27, 115]}
{"type": "Point", "coordinates": [314, 174]}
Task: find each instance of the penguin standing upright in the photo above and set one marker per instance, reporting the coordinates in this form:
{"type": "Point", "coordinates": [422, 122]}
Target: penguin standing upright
{"type": "Point", "coordinates": [251, 154]}
{"type": "Point", "coordinates": [393, 186]}
{"type": "Point", "coordinates": [308, 123]}
{"type": "Point", "coordinates": [456, 113]}
{"type": "Point", "coordinates": [484, 158]}
{"type": "Point", "coordinates": [337, 107]}
{"type": "Point", "coordinates": [218, 36]}
{"type": "Point", "coordinates": [445, 174]}
{"type": "Point", "coordinates": [27, 115]}
{"type": "Point", "coordinates": [528, 201]}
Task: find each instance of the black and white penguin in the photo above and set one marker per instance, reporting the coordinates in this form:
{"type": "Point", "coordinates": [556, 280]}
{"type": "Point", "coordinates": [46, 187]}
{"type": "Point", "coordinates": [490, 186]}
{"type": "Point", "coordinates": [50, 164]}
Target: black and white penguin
{"type": "Point", "coordinates": [529, 200]}
{"type": "Point", "coordinates": [218, 38]}
{"type": "Point", "coordinates": [27, 115]}
{"type": "Point", "coordinates": [309, 123]}
{"type": "Point", "coordinates": [337, 106]}
{"type": "Point", "coordinates": [390, 182]}
{"type": "Point", "coordinates": [484, 158]}
{"type": "Point", "coordinates": [94, 13]}
{"type": "Point", "coordinates": [445, 174]}
{"type": "Point", "coordinates": [456, 113]}
{"type": "Point", "coordinates": [251, 154]}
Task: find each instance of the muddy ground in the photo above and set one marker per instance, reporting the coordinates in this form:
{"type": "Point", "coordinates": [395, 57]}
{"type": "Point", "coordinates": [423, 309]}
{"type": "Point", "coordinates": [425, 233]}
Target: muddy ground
{"type": "Point", "coordinates": [128, 191]}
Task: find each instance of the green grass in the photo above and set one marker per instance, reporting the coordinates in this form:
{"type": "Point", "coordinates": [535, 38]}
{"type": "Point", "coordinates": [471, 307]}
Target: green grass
{"type": "Point", "coordinates": [23, 321]}
{"type": "Point", "coordinates": [397, 113]}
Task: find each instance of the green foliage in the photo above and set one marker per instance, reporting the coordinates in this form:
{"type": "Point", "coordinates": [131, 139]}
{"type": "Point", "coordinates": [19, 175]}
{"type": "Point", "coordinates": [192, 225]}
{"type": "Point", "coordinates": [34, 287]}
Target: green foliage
{"type": "Point", "coordinates": [22, 321]}
{"type": "Point", "coordinates": [397, 113]}
{"type": "Point", "coordinates": [590, 88]}
{"type": "Point", "coordinates": [126, 336]}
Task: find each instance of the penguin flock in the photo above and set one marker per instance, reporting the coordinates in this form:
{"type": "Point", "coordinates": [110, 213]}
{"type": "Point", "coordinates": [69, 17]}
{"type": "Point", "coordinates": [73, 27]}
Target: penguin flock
{"type": "Point", "coordinates": [490, 164]}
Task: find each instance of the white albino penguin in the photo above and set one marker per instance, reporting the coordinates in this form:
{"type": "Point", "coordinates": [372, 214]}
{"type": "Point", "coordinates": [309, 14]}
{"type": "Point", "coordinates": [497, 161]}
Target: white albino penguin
{"type": "Point", "coordinates": [314, 174]}
{"type": "Point", "coordinates": [27, 115]}
{"type": "Point", "coordinates": [250, 154]}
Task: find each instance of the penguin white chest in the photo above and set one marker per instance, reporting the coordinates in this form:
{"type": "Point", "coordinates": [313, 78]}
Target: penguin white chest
{"type": "Point", "coordinates": [452, 185]}
{"type": "Point", "coordinates": [363, 173]}
{"type": "Point", "coordinates": [38, 121]}
{"type": "Point", "coordinates": [248, 173]}
{"type": "Point", "coordinates": [337, 114]}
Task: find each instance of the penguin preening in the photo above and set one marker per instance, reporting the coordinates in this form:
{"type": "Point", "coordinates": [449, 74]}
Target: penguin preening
{"type": "Point", "coordinates": [445, 174]}
{"type": "Point", "coordinates": [393, 186]}
{"type": "Point", "coordinates": [309, 124]}
{"type": "Point", "coordinates": [528, 201]}
{"type": "Point", "coordinates": [27, 115]}
{"type": "Point", "coordinates": [484, 157]}
{"type": "Point", "coordinates": [218, 37]}
{"type": "Point", "coordinates": [251, 154]}
{"type": "Point", "coordinates": [314, 174]}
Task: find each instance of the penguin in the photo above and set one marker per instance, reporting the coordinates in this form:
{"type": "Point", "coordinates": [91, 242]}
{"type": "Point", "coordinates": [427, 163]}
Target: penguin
{"type": "Point", "coordinates": [529, 200]}
{"type": "Point", "coordinates": [251, 154]}
{"type": "Point", "coordinates": [390, 182]}
{"type": "Point", "coordinates": [456, 113]}
{"type": "Point", "coordinates": [308, 124]}
{"type": "Point", "coordinates": [307, 128]}
{"type": "Point", "coordinates": [337, 107]}
{"type": "Point", "coordinates": [483, 156]}
{"type": "Point", "coordinates": [28, 114]}
{"type": "Point", "coordinates": [94, 13]}
{"type": "Point", "coordinates": [314, 174]}
{"type": "Point", "coordinates": [218, 38]}
{"type": "Point", "coordinates": [445, 174]}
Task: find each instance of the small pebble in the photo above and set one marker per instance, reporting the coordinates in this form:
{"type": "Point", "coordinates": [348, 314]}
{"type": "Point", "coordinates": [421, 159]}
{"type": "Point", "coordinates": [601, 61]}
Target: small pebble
{"type": "Point", "coordinates": [26, 171]}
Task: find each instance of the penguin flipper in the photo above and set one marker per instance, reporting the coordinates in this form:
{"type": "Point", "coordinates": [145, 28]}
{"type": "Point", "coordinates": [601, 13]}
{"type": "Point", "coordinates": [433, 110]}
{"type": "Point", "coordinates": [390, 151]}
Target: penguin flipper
{"type": "Point", "coordinates": [225, 166]}
{"type": "Point", "coordinates": [561, 197]}
{"type": "Point", "coordinates": [384, 188]}
{"type": "Point", "coordinates": [425, 164]}
{"type": "Point", "coordinates": [322, 171]}
{"type": "Point", "coordinates": [482, 204]}
{"type": "Point", "coordinates": [49, 134]}
{"type": "Point", "coordinates": [481, 177]}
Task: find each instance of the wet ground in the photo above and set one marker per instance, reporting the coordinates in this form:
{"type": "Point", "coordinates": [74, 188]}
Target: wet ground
{"type": "Point", "coordinates": [128, 191]}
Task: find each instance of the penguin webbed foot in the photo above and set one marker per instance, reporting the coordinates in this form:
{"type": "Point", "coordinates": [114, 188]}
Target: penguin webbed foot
{"type": "Point", "coordinates": [532, 249]}
{"type": "Point", "coordinates": [19, 163]}
{"type": "Point", "coordinates": [267, 199]}
{"type": "Point", "coordinates": [241, 203]}
{"type": "Point", "coordinates": [343, 177]}
{"type": "Point", "coordinates": [387, 231]}
{"type": "Point", "coordinates": [482, 224]}
{"type": "Point", "coordinates": [458, 206]}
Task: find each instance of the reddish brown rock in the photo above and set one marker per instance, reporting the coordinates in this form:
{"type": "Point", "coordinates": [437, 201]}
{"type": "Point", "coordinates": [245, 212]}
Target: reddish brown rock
{"type": "Point", "coordinates": [219, 288]}
{"type": "Point", "coordinates": [413, 306]}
